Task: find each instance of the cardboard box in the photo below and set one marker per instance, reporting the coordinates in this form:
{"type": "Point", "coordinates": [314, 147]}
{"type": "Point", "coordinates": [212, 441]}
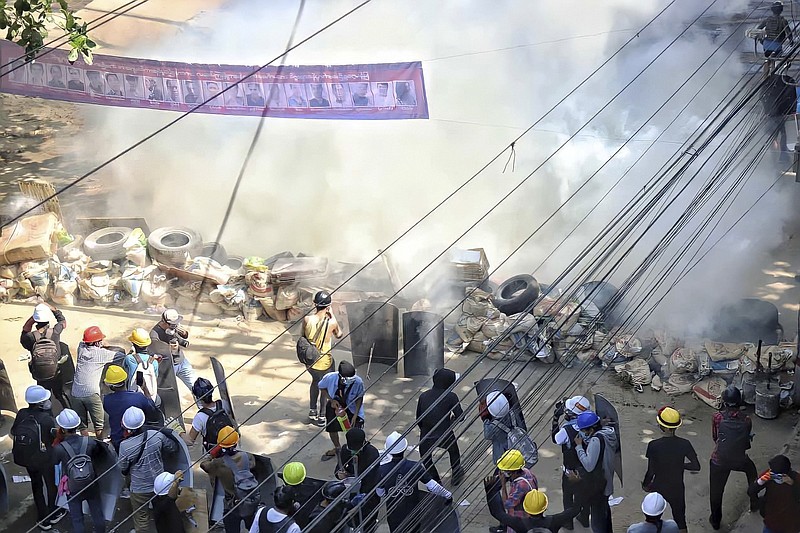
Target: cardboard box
{"type": "Point", "coordinates": [29, 239]}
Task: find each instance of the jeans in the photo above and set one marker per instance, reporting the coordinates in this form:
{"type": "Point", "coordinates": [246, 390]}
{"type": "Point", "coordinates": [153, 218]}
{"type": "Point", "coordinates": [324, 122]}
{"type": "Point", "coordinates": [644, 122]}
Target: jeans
{"type": "Point", "coordinates": [570, 490]}
{"type": "Point", "coordinates": [233, 521]}
{"type": "Point", "coordinates": [313, 393]}
{"type": "Point", "coordinates": [92, 498]}
{"type": "Point", "coordinates": [90, 407]}
{"type": "Point", "coordinates": [718, 477]}
{"type": "Point", "coordinates": [185, 372]}
{"type": "Point", "coordinates": [56, 388]}
{"type": "Point", "coordinates": [140, 507]}
{"type": "Point", "coordinates": [450, 444]}
{"type": "Point", "coordinates": [43, 487]}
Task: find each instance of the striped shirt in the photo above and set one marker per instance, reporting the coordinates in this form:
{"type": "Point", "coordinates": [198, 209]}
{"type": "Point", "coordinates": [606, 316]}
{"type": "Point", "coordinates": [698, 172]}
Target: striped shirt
{"type": "Point", "coordinates": [89, 369]}
{"type": "Point", "coordinates": [151, 464]}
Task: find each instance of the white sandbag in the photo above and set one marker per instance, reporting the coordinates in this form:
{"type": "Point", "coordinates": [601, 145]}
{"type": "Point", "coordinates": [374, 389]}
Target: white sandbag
{"type": "Point", "coordinates": [286, 296]}
{"type": "Point", "coordinates": [683, 361]}
{"type": "Point", "coordinates": [709, 391]}
{"type": "Point", "coordinates": [680, 383]}
{"type": "Point", "coordinates": [63, 288]}
{"type": "Point", "coordinates": [635, 372]}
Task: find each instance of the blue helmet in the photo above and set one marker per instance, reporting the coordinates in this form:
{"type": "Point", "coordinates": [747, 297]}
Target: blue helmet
{"type": "Point", "coordinates": [587, 420]}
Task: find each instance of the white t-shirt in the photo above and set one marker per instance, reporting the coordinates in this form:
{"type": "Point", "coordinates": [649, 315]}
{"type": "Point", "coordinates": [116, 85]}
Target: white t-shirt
{"type": "Point", "coordinates": [273, 517]}
{"type": "Point", "coordinates": [200, 419]}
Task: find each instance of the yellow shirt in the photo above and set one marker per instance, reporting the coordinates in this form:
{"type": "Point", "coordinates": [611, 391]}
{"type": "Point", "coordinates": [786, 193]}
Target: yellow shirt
{"type": "Point", "coordinates": [311, 331]}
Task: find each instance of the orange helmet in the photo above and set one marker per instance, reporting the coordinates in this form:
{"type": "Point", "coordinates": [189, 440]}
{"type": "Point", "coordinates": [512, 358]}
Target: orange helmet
{"type": "Point", "coordinates": [93, 334]}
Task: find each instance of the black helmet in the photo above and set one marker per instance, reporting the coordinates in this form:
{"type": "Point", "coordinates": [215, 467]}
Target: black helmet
{"type": "Point", "coordinates": [346, 369]}
{"type": "Point", "coordinates": [284, 501]}
{"type": "Point", "coordinates": [332, 489]}
{"type": "Point", "coordinates": [777, 7]}
{"type": "Point", "coordinates": [322, 299]}
{"type": "Point", "coordinates": [732, 396]}
{"type": "Point", "coordinates": [202, 389]}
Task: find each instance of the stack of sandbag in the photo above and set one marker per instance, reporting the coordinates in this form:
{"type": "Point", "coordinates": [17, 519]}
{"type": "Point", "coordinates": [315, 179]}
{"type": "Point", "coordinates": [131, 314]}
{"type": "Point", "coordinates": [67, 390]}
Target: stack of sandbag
{"type": "Point", "coordinates": [683, 371]}
{"type": "Point", "coordinates": [65, 283]}
{"type": "Point", "coordinates": [635, 372]}
{"type": "Point", "coordinates": [480, 321]}
{"type": "Point", "coordinates": [620, 349]}
{"type": "Point", "coordinates": [8, 284]}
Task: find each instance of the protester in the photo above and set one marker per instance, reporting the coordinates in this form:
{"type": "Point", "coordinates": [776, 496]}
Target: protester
{"type": "Point", "coordinates": [141, 366]}
{"type": "Point", "coordinates": [234, 470]}
{"type": "Point", "coordinates": [210, 419]}
{"type": "Point", "coordinates": [302, 491]}
{"type": "Point", "coordinates": [436, 428]}
{"type": "Point", "coordinates": [731, 431]}
{"type": "Point", "coordinates": [327, 523]}
{"type": "Point", "coordinates": [167, 517]}
{"type": "Point", "coordinates": [33, 430]}
{"type": "Point", "coordinates": [278, 518]}
{"type": "Point", "coordinates": [499, 417]}
{"type": "Point", "coordinates": [780, 504]}
{"type": "Point", "coordinates": [356, 459]}
{"type": "Point", "coordinates": [92, 358]}
{"type": "Point", "coordinates": [398, 486]}
{"type": "Point", "coordinates": [777, 29]}
{"type": "Point", "coordinates": [534, 505]}
{"type": "Point", "coordinates": [596, 455]}
{"type": "Point", "coordinates": [168, 330]}
{"type": "Point", "coordinates": [653, 506]}
{"type": "Point", "coordinates": [515, 482]}
{"type": "Point", "coordinates": [667, 458]}
{"type": "Point", "coordinates": [41, 336]}
{"type": "Point", "coordinates": [343, 395]}
{"type": "Point", "coordinates": [141, 457]}
{"type": "Point", "coordinates": [120, 400]}
{"type": "Point", "coordinates": [318, 328]}
{"type": "Point", "coordinates": [76, 454]}
{"type": "Point", "coordinates": [564, 435]}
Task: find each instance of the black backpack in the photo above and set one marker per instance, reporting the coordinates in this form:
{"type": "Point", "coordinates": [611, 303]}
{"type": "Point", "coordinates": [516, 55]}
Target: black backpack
{"type": "Point", "coordinates": [217, 420]}
{"type": "Point", "coordinates": [80, 470]}
{"type": "Point", "coordinates": [44, 356]}
{"type": "Point", "coordinates": [265, 526]}
{"type": "Point", "coordinates": [248, 493]}
{"type": "Point", "coordinates": [733, 438]}
{"type": "Point", "coordinates": [29, 450]}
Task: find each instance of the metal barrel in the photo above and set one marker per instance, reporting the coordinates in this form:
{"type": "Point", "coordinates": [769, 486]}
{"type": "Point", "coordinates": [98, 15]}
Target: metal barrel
{"type": "Point", "coordinates": [749, 388]}
{"type": "Point", "coordinates": [768, 401]}
{"type": "Point", "coordinates": [423, 343]}
{"type": "Point", "coordinates": [380, 334]}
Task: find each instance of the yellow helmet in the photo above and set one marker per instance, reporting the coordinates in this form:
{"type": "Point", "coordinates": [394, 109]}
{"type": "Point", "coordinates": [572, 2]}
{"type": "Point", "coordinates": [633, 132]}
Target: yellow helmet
{"type": "Point", "coordinates": [535, 502]}
{"type": "Point", "coordinates": [227, 437]}
{"type": "Point", "coordinates": [511, 460]}
{"type": "Point", "coordinates": [669, 418]}
{"type": "Point", "coordinates": [115, 375]}
{"type": "Point", "coordinates": [294, 473]}
{"type": "Point", "coordinates": [140, 337]}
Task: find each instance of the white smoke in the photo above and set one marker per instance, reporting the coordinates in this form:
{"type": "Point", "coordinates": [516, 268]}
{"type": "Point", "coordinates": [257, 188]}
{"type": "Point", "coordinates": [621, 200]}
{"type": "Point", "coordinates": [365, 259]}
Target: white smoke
{"type": "Point", "coordinates": [347, 188]}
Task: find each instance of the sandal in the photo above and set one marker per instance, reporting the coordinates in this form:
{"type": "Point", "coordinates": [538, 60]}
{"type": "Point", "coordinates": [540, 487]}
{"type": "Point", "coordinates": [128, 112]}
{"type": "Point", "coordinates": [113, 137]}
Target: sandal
{"type": "Point", "coordinates": [330, 454]}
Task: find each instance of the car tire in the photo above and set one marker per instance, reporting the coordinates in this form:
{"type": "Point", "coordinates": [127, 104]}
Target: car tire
{"type": "Point", "coordinates": [173, 245]}
{"type": "Point", "coordinates": [234, 262]}
{"type": "Point", "coordinates": [516, 294]}
{"type": "Point", "coordinates": [215, 251]}
{"type": "Point", "coordinates": [106, 243]}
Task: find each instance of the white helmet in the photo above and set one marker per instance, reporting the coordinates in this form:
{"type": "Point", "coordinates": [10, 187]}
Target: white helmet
{"type": "Point", "coordinates": [36, 394]}
{"type": "Point", "coordinates": [162, 483]}
{"type": "Point", "coordinates": [577, 405]}
{"type": "Point", "coordinates": [133, 418]}
{"type": "Point", "coordinates": [395, 443]}
{"type": "Point", "coordinates": [497, 404]}
{"type": "Point", "coordinates": [42, 313]}
{"type": "Point", "coordinates": [172, 317]}
{"type": "Point", "coordinates": [68, 419]}
{"type": "Point", "coordinates": [654, 504]}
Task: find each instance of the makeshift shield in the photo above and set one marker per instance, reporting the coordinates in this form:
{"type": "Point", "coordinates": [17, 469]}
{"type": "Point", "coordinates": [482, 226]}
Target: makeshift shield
{"type": "Point", "coordinates": [604, 409]}
{"type": "Point", "coordinates": [373, 330]}
{"type": "Point", "coordinates": [180, 460]}
{"type": "Point", "coordinates": [222, 386]}
{"type": "Point", "coordinates": [3, 491]}
{"type": "Point", "coordinates": [487, 385]}
{"type": "Point", "coordinates": [7, 402]}
{"type": "Point", "coordinates": [423, 343]}
{"type": "Point", "coordinates": [167, 383]}
{"type": "Point", "coordinates": [309, 495]}
{"type": "Point", "coordinates": [217, 510]}
{"type": "Point", "coordinates": [109, 481]}
{"type": "Point", "coordinates": [193, 506]}
{"type": "Point", "coordinates": [264, 474]}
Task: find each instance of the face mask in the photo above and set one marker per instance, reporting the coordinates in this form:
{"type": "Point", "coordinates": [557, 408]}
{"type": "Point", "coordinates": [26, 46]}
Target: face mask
{"type": "Point", "coordinates": [170, 332]}
{"type": "Point", "coordinates": [46, 405]}
{"type": "Point", "coordinates": [585, 434]}
{"type": "Point", "coordinates": [348, 381]}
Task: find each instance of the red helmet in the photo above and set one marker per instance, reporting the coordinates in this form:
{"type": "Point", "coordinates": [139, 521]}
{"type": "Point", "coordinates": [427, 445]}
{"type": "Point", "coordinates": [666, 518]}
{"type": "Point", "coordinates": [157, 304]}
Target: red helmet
{"type": "Point", "coordinates": [93, 334]}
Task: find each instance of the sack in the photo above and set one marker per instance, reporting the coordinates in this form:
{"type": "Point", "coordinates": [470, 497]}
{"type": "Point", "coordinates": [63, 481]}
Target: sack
{"type": "Point", "coordinates": [683, 361]}
{"type": "Point", "coordinates": [709, 391]}
{"type": "Point", "coordinates": [217, 420]}
{"type": "Point", "coordinates": [248, 494]}
{"type": "Point", "coordinates": [44, 356]}
{"type": "Point", "coordinates": [28, 449]}
{"type": "Point", "coordinates": [518, 439]}
{"type": "Point", "coordinates": [733, 438]}
{"type": "Point", "coordinates": [635, 372]}
{"type": "Point", "coordinates": [80, 470]}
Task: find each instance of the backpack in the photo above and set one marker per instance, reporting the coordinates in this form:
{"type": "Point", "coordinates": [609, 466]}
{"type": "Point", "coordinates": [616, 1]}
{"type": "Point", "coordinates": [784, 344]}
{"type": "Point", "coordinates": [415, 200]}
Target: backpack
{"type": "Point", "coordinates": [248, 494]}
{"type": "Point", "coordinates": [308, 350]}
{"type": "Point", "coordinates": [733, 438]}
{"type": "Point", "coordinates": [264, 526]}
{"type": "Point", "coordinates": [518, 439]}
{"type": "Point", "coordinates": [44, 356]}
{"type": "Point", "coordinates": [80, 470]}
{"type": "Point", "coordinates": [217, 420]}
{"type": "Point", "coordinates": [28, 449]}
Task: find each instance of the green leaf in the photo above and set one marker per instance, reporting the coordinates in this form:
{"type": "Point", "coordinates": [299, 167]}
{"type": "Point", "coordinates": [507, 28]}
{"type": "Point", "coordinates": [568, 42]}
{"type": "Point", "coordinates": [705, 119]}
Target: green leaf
{"type": "Point", "coordinates": [63, 3]}
{"type": "Point", "coordinates": [87, 56]}
{"type": "Point", "coordinates": [73, 55]}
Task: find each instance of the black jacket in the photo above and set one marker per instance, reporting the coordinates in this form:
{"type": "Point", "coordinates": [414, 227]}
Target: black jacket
{"type": "Point", "coordinates": [440, 420]}
{"type": "Point", "coordinates": [521, 525]}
